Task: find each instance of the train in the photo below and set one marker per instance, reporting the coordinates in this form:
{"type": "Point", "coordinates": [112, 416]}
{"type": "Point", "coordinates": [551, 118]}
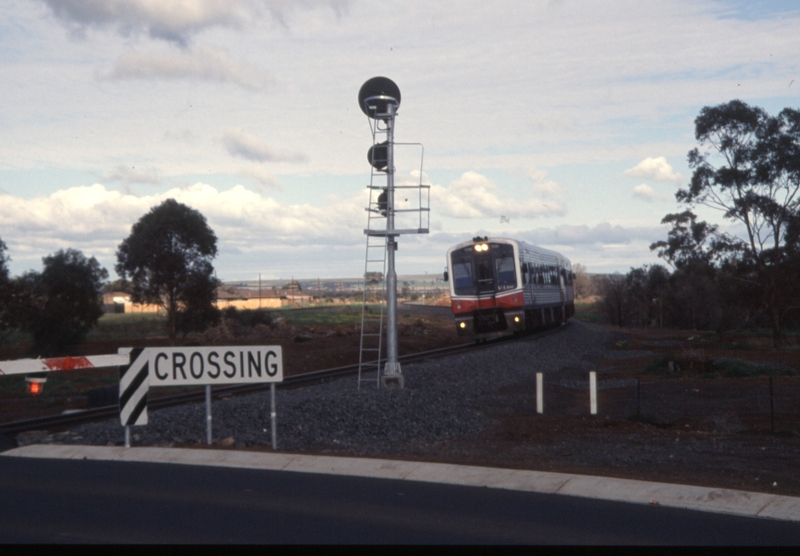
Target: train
{"type": "Point", "coordinates": [501, 286]}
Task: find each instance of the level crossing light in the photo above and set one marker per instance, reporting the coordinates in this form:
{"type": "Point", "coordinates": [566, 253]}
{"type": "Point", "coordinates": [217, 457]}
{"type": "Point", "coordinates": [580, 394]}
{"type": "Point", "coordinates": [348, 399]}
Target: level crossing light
{"type": "Point", "coordinates": [34, 383]}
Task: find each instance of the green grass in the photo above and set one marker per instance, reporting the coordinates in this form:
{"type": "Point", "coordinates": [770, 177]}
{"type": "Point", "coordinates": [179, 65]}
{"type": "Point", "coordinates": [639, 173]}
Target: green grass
{"type": "Point", "coordinates": [660, 366]}
{"type": "Point", "coordinates": [589, 312]}
{"type": "Point", "coordinates": [329, 316]}
{"type": "Point", "coordinates": [117, 326]}
{"type": "Point", "coordinates": [736, 368]}
{"type": "Point", "coordinates": [728, 368]}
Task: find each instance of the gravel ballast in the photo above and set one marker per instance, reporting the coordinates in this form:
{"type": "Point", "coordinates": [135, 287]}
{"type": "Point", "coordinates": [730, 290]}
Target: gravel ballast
{"type": "Point", "coordinates": [443, 399]}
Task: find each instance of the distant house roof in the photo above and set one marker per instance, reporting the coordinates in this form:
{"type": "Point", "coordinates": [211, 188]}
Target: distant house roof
{"type": "Point", "coordinates": [116, 297]}
{"type": "Point", "coordinates": [249, 294]}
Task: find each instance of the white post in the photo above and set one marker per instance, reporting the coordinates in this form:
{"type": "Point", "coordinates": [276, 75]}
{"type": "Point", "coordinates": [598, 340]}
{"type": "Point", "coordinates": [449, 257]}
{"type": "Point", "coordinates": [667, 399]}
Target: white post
{"type": "Point", "coordinates": [272, 416]}
{"type": "Point", "coordinates": [539, 394]}
{"type": "Point", "coordinates": [127, 436]}
{"type": "Point", "coordinates": [593, 392]}
{"type": "Point", "coordinates": [208, 414]}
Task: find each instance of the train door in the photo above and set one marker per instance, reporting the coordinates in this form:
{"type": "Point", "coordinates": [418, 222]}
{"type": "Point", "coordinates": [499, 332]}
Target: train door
{"type": "Point", "coordinates": [484, 273]}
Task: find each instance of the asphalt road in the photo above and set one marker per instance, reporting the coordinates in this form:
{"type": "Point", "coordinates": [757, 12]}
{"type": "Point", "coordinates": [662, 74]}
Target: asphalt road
{"type": "Point", "coordinates": [68, 501]}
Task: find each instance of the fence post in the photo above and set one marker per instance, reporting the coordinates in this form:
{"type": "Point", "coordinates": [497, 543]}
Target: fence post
{"type": "Point", "coordinates": [539, 394]}
{"type": "Point", "coordinates": [593, 392]}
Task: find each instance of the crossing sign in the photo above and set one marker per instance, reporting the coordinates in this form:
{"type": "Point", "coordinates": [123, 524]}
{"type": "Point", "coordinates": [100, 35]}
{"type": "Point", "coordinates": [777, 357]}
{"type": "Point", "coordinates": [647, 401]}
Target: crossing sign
{"type": "Point", "coordinates": [186, 366]}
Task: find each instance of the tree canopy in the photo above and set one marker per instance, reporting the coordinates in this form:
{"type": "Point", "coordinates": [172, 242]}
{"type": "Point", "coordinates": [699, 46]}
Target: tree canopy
{"type": "Point", "coordinates": [6, 314]}
{"type": "Point", "coordinates": [167, 258]}
{"type": "Point", "coordinates": [62, 303]}
{"type": "Point", "coordinates": [746, 165]}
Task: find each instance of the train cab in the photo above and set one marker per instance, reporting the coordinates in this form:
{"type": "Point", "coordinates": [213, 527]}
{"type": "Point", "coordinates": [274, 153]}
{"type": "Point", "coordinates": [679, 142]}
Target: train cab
{"type": "Point", "coordinates": [501, 286]}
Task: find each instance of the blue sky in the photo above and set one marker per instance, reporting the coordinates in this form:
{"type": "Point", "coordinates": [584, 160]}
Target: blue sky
{"type": "Point", "coordinates": [570, 119]}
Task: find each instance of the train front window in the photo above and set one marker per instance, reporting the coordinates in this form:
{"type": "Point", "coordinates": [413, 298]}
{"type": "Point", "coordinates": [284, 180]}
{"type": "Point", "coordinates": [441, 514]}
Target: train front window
{"type": "Point", "coordinates": [487, 271]}
{"type": "Point", "coordinates": [462, 276]}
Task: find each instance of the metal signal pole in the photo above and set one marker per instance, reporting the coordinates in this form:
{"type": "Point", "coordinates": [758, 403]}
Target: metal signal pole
{"type": "Point", "coordinates": [379, 99]}
{"type": "Point", "coordinates": [392, 375]}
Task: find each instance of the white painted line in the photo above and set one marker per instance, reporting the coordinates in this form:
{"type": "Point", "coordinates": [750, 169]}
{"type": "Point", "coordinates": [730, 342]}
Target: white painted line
{"type": "Point", "coordinates": [727, 501]}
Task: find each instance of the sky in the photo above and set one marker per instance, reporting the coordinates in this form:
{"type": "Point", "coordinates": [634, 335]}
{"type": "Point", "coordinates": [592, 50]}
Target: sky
{"type": "Point", "coordinates": [562, 123]}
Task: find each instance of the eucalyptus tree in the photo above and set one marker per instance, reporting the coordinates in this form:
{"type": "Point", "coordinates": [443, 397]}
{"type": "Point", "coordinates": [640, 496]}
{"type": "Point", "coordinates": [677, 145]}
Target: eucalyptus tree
{"type": "Point", "coordinates": [167, 258]}
{"type": "Point", "coordinates": [747, 166]}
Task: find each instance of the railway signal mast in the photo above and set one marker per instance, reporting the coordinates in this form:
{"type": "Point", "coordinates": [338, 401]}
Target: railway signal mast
{"type": "Point", "coordinates": [379, 99]}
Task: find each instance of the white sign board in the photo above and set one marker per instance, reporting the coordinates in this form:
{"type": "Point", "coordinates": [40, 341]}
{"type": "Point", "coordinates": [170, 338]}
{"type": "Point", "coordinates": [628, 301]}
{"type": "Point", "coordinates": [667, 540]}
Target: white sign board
{"type": "Point", "coordinates": [183, 366]}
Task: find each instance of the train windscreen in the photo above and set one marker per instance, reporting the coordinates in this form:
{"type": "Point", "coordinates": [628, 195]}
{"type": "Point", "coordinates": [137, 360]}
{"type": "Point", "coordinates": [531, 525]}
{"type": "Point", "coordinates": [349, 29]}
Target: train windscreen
{"type": "Point", "coordinates": [478, 272]}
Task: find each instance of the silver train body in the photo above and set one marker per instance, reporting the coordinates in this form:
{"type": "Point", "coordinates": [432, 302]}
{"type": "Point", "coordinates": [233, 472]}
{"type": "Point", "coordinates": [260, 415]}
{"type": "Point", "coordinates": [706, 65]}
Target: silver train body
{"type": "Point", "coordinates": [501, 286]}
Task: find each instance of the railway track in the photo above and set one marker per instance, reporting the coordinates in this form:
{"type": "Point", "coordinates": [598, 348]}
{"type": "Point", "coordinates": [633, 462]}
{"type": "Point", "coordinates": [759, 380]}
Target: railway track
{"type": "Point", "coordinates": [65, 420]}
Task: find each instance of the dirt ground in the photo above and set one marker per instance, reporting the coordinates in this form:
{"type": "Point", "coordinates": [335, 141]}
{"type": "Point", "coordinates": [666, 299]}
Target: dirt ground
{"type": "Point", "coordinates": [305, 349]}
{"type": "Point", "coordinates": [673, 406]}
{"type": "Point", "coordinates": [699, 424]}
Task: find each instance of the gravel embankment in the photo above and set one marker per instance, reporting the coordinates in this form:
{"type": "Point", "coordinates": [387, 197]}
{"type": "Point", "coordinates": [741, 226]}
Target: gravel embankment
{"type": "Point", "coordinates": [443, 399]}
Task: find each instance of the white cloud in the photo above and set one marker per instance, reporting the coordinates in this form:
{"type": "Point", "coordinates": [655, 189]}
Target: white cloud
{"type": "Point", "coordinates": [130, 174]}
{"type": "Point", "coordinates": [604, 233]}
{"type": "Point", "coordinates": [656, 169]}
{"type": "Point", "coordinates": [173, 20]}
{"type": "Point", "coordinates": [542, 185]}
{"type": "Point", "coordinates": [202, 63]}
{"type": "Point", "coordinates": [261, 176]}
{"type": "Point", "coordinates": [475, 196]}
{"type": "Point", "coordinates": [248, 146]}
{"type": "Point", "coordinates": [647, 193]}
{"type": "Point", "coordinates": [96, 219]}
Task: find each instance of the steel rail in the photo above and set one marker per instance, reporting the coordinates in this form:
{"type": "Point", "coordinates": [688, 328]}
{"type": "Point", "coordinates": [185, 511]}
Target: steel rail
{"type": "Point", "coordinates": [106, 412]}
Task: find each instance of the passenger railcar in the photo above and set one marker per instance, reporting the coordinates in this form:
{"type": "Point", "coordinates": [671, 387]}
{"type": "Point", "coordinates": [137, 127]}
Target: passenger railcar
{"type": "Point", "coordinates": [501, 286]}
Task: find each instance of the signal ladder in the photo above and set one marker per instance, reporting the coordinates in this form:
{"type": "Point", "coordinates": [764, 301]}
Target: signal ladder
{"type": "Point", "coordinates": [374, 301]}
{"type": "Point", "coordinates": [412, 204]}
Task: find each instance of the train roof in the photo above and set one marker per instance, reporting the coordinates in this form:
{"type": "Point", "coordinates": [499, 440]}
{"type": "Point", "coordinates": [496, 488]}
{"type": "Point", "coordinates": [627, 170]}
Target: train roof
{"type": "Point", "coordinates": [517, 242]}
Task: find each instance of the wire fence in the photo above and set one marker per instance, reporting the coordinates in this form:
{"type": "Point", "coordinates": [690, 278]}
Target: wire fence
{"type": "Point", "coordinates": [759, 404]}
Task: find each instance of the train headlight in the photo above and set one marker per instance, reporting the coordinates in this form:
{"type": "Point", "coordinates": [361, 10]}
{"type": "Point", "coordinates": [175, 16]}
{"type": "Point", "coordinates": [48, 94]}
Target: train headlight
{"type": "Point", "coordinates": [463, 325]}
{"type": "Point", "coordinates": [516, 319]}
{"type": "Point", "coordinates": [481, 247]}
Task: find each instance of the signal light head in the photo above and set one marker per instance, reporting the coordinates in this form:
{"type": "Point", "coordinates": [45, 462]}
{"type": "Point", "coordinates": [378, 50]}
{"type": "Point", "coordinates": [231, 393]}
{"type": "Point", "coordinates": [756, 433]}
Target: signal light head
{"type": "Point", "coordinates": [376, 94]}
{"type": "Point", "coordinates": [378, 155]}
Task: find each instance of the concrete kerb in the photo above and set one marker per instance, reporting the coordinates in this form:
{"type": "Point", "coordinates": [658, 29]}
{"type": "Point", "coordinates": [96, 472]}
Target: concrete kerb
{"type": "Point", "coordinates": [736, 502]}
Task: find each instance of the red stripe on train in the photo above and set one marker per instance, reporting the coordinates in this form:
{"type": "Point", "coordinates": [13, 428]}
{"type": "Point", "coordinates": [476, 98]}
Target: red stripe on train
{"type": "Point", "coordinates": [469, 304]}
